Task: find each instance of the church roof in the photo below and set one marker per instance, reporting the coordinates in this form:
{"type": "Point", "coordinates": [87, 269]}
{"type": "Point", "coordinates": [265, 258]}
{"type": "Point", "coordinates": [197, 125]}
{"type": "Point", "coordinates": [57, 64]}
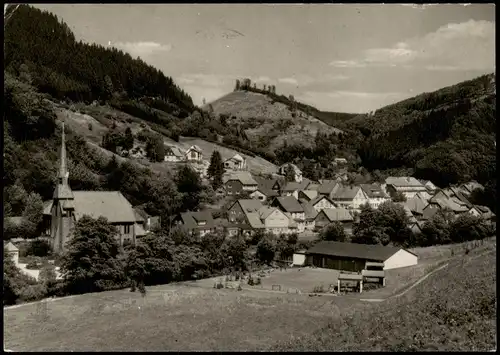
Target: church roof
{"type": "Point", "coordinates": [109, 204]}
{"type": "Point", "coordinates": [63, 191]}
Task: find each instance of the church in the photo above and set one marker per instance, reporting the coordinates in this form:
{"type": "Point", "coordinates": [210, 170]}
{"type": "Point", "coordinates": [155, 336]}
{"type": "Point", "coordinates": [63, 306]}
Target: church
{"type": "Point", "coordinates": [68, 206]}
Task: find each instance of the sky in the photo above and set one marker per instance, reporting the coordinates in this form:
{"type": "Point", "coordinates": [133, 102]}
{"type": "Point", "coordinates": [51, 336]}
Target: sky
{"type": "Point", "coordinates": [343, 58]}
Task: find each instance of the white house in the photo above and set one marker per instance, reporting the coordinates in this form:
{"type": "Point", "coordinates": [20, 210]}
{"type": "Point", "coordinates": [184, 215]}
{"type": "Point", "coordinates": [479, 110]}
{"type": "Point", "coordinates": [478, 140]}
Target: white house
{"type": "Point", "coordinates": [236, 162]}
{"type": "Point", "coordinates": [194, 153]}
{"type": "Point", "coordinates": [290, 205]}
{"type": "Point", "coordinates": [350, 197]}
{"type": "Point", "coordinates": [321, 202]}
{"type": "Point", "coordinates": [376, 195]}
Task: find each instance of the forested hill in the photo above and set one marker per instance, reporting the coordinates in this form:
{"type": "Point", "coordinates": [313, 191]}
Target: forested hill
{"type": "Point", "coordinates": [39, 46]}
{"type": "Point", "coordinates": [446, 136]}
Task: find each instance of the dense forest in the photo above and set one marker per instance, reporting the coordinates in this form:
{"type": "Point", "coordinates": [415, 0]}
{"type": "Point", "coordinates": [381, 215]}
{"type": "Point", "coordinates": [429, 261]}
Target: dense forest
{"type": "Point", "coordinates": [44, 50]}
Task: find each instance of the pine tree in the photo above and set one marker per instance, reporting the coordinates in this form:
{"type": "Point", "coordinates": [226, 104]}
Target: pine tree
{"type": "Point", "coordinates": [289, 173]}
{"type": "Point", "coordinates": [128, 141]}
{"type": "Point", "coordinates": [216, 169]}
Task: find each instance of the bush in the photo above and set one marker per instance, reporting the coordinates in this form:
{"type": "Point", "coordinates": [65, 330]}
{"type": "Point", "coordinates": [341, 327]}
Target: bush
{"type": "Point", "coordinates": [32, 293]}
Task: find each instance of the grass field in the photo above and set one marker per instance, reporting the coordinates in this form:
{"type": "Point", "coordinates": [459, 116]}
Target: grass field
{"type": "Point", "coordinates": [453, 310]}
{"type": "Point", "coordinates": [170, 318]}
{"type": "Point", "coordinates": [180, 317]}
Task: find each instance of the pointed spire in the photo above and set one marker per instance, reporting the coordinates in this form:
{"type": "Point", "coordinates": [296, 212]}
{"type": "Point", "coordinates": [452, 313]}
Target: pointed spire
{"type": "Point", "coordinates": [63, 170]}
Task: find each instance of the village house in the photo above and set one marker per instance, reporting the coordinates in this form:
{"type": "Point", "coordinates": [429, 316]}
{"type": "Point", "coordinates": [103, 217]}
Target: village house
{"type": "Point", "coordinates": [194, 154]}
{"type": "Point", "coordinates": [69, 206]}
{"type": "Point", "coordinates": [416, 206]}
{"type": "Point", "coordinates": [173, 154]}
{"type": "Point", "coordinates": [272, 220]}
{"type": "Point", "coordinates": [236, 162]}
{"type": "Point", "coordinates": [196, 222]}
{"type": "Point", "coordinates": [328, 188]}
{"type": "Point", "coordinates": [327, 216]}
{"type": "Point", "coordinates": [322, 202]}
{"type": "Point", "coordinates": [237, 211]}
{"type": "Point", "coordinates": [291, 205]}
{"type": "Point", "coordinates": [408, 186]}
{"type": "Point", "coordinates": [297, 172]}
{"type": "Point", "coordinates": [293, 188]}
{"type": "Point", "coordinates": [354, 257]}
{"type": "Point", "coordinates": [310, 214]}
{"type": "Point", "coordinates": [350, 197]}
{"type": "Point", "coordinates": [240, 182]}
{"type": "Point", "coordinates": [263, 194]}
{"type": "Point", "coordinates": [307, 195]}
{"type": "Point", "coordinates": [416, 227]}
{"type": "Point", "coordinates": [376, 194]}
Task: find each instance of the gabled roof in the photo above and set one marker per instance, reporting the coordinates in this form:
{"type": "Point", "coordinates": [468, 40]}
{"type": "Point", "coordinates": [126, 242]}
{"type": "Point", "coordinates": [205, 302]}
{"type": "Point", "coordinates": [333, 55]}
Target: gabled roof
{"type": "Point", "coordinates": [415, 205]}
{"type": "Point", "coordinates": [346, 192]}
{"type": "Point", "coordinates": [175, 151]}
{"type": "Point", "coordinates": [353, 250]}
{"type": "Point", "coordinates": [337, 214]}
{"type": "Point", "coordinates": [313, 186]}
{"type": "Point", "coordinates": [267, 192]}
{"type": "Point", "coordinates": [450, 204]}
{"type": "Point", "coordinates": [140, 215]}
{"type": "Point", "coordinates": [191, 219]}
{"type": "Point", "coordinates": [309, 194]}
{"type": "Point", "coordinates": [428, 213]}
{"type": "Point", "coordinates": [318, 198]}
{"type": "Point", "coordinates": [265, 212]}
{"type": "Point", "coordinates": [254, 220]}
{"type": "Point", "coordinates": [242, 176]}
{"type": "Point", "coordinates": [289, 204]}
{"type": "Point", "coordinates": [194, 147]}
{"type": "Point", "coordinates": [294, 186]}
{"type": "Point", "coordinates": [236, 157]}
{"type": "Point", "coordinates": [249, 205]}
{"type": "Point", "coordinates": [373, 191]}
{"type": "Point", "coordinates": [327, 187]}
{"type": "Point", "coordinates": [109, 204]}
{"type": "Point", "coordinates": [408, 212]}
{"type": "Point", "coordinates": [309, 211]}
{"type": "Point", "coordinates": [10, 247]}
{"type": "Point", "coordinates": [405, 181]}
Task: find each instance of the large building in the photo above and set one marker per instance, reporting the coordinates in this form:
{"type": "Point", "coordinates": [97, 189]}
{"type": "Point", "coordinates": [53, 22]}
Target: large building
{"type": "Point", "coordinates": [353, 257]}
{"type": "Point", "coordinates": [68, 206]}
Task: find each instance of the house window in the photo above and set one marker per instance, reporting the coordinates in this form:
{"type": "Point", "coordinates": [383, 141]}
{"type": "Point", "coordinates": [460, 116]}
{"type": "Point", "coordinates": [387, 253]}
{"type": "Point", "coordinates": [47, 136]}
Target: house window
{"type": "Point", "coordinates": [70, 213]}
{"type": "Point", "coordinates": [126, 229]}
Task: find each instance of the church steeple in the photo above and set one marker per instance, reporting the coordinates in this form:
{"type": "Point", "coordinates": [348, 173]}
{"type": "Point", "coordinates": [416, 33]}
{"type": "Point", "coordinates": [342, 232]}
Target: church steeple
{"type": "Point", "coordinates": [63, 191]}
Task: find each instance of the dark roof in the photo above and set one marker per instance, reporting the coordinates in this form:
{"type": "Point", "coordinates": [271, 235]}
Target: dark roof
{"type": "Point", "coordinates": [327, 187]}
{"type": "Point", "coordinates": [353, 250]}
{"type": "Point", "coordinates": [109, 204]}
{"type": "Point", "coordinates": [373, 190]}
{"type": "Point", "coordinates": [289, 204]}
{"type": "Point", "coordinates": [191, 219]}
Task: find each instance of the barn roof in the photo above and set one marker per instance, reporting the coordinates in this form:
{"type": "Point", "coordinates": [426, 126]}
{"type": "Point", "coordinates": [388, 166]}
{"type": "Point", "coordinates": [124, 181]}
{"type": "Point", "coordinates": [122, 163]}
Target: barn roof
{"type": "Point", "coordinates": [109, 204]}
{"type": "Point", "coordinates": [353, 250]}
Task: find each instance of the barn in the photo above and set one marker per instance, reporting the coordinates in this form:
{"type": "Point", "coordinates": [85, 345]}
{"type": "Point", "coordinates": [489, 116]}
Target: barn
{"type": "Point", "coordinates": [353, 257]}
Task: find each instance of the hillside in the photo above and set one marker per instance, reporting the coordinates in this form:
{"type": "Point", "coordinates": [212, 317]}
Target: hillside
{"type": "Point", "coordinates": [264, 118]}
{"type": "Point", "coordinates": [446, 136]}
{"type": "Point", "coordinates": [452, 310]}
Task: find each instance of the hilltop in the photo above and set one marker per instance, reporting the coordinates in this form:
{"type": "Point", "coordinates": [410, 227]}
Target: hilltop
{"type": "Point", "coordinates": [263, 117]}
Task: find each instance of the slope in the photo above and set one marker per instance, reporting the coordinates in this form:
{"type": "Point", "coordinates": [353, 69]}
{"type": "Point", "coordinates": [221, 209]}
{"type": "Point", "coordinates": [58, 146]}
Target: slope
{"type": "Point", "coordinates": [264, 118]}
{"type": "Point", "coordinates": [447, 136]}
{"type": "Point", "coordinates": [452, 310]}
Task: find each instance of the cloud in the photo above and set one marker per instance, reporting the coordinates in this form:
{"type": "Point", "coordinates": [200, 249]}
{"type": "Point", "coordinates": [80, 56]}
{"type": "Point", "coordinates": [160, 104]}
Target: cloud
{"type": "Point", "coordinates": [142, 49]}
{"type": "Point", "coordinates": [262, 79]}
{"type": "Point", "coordinates": [291, 81]}
{"type": "Point", "coordinates": [462, 46]}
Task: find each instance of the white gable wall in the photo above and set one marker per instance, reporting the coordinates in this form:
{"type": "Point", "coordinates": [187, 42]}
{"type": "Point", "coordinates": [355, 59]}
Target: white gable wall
{"type": "Point", "coordinates": [401, 258]}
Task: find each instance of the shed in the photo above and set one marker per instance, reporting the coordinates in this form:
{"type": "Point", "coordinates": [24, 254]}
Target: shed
{"type": "Point", "coordinates": [12, 250]}
{"type": "Point", "coordinates": [353, 257]}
